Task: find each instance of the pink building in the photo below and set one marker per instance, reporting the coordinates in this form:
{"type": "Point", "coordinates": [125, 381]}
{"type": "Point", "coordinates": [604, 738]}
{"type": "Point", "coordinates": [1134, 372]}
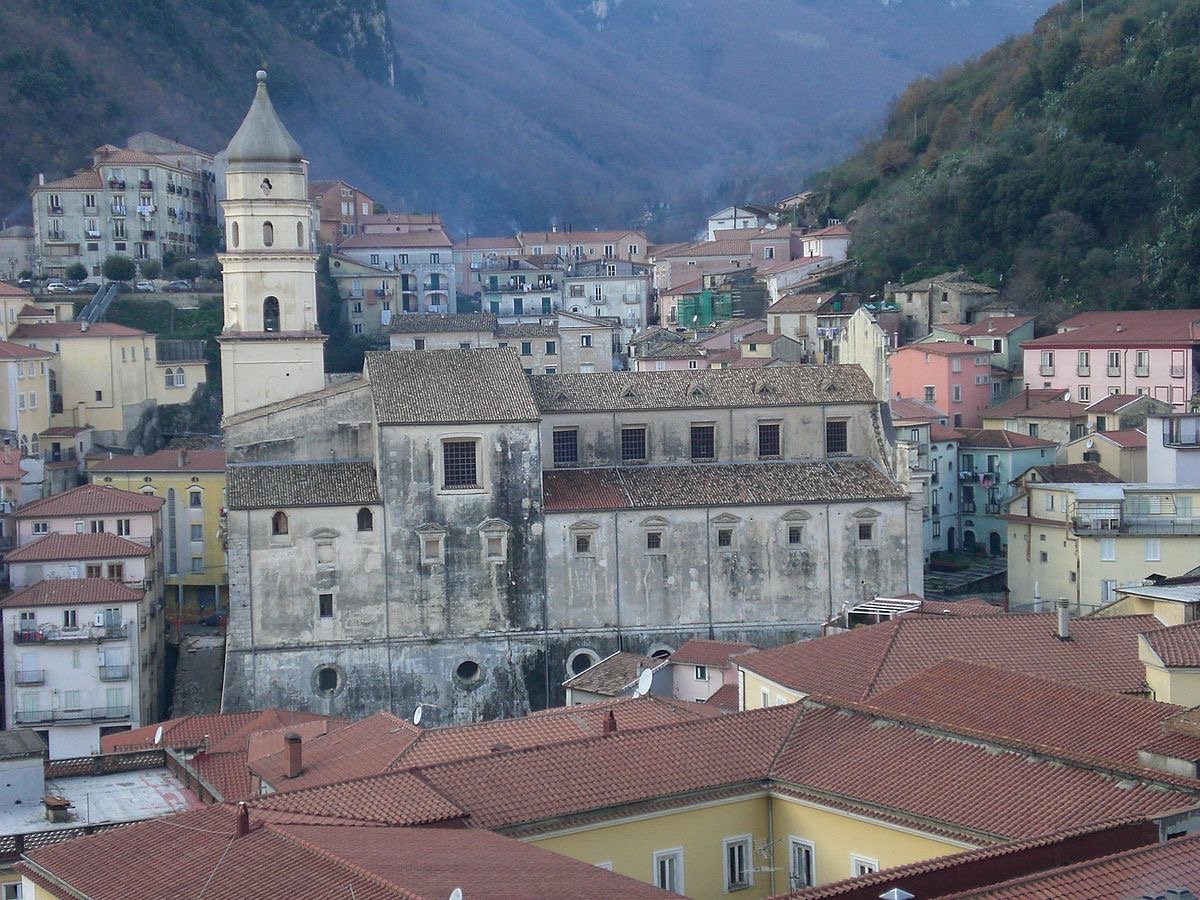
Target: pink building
{"type": "Point", "coordinates": [690, 261]}
{"type": "Point", "coordinates": [954, 376]}
{"type": "Point", "coordinates": [701, 668]}
{"type": "Point", "coordinates": [1151, 352]}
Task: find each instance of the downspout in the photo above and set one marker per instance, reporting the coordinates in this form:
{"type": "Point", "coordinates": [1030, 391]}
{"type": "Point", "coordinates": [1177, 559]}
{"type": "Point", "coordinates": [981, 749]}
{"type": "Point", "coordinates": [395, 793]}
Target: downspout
{"type": "Point", "coordinates": [829, 560]}
{"type": "Point", "coordinates": [617, 557]}
{"type": "Point", "coordinates": [387, 593]}
{"type": "Point", "coordinates": [771, 848]}
{"type": "Point", "coordinates": [708, 567]}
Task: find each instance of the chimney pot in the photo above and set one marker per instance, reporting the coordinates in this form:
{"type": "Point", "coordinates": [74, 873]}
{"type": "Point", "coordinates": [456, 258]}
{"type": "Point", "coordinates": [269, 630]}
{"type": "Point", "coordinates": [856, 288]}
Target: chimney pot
{"type": "Point", "coordinates": [1064, 619]}
{"type": "Point", "coordinates": [292, 751]}
{"type": "Point", "coordinates": [610, 723]}
{"type": "Point", "coordinates": [243, 819]}
{"type": "Point", "coordinates": [182, 458]}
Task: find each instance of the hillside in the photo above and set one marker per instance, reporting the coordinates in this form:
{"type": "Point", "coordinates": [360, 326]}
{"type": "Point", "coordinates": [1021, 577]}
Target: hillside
{"type": "Point", "coordinates": [498, 115]}
{"type": "Point", "coordinates": [1062, 167]}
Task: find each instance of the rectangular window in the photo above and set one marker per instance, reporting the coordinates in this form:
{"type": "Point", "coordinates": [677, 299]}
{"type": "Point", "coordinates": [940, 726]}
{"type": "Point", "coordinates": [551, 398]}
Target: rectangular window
{"type": "Point", "coordinates": [668, 870]}
{"type": "Point", "coordinates": [527, 348]}
{"type": "Point", "coordinates": [956, 393]}
{"type": "Point", "coordinates": [1083, 362]}
{"type": "Point", "coordinates": [1141, 363]}
{"type": "Point", "coordinates": [702, 673]}
{"type": "Point", "coordinates": [123, 528]}
{"type": "Point", "coordinates": [1108, 550]}
{"type": "Point", "coordinates": [70, 618]}
{"type": "Point", "coordinates": [566, 446]}
{"type": "Point", "coordinates": [738, 866]}
{"type": "Point", "coordinates": [1047, 362]}
{"type": "Point", "coordinates": [460, 469]}
{"type": "Point", "coordinates": [1114, 362]}
{"type": "Point", "coordinates": [72, 700]}
{"type": "Point", "coordinates": [768, 440]}
{"type": "Point", "coordinates": [198, 533]}
{"type": "Point", "coordinates": [801, 864]}
{"type": "Point", "coordinates": [551, 348]}
{"type": "Point", "coordinates": [653, 540]}
{"type": "Point", "coordinates": [325, 606]}
{"type": "Point", "coordinates": [97, 526]}
{"type": "Point", "coordinates": [494, 548]}
{"type": "Point", "coordinates": [583, 545]}
{"type": "Point", "coordinates": [435, 258]}
{"type": "Point", "coordinates": [704, 442]}
{"type": "Point", "coordinates": [195, 500]}
{"type": "Point", "coordinates": [866, 531]}
{"type": "Point", "coordinates": [956, 364]}
{"type": "Point", "coordinates": [861, 865]}
{"type": "Point", "coordinates": [585, 340]}
{"type": "Point", "coordinates": [431, 548]}
{"type": "Point", "coordinates": [197, 565]}
{"type": "Point", "coordinates": [418, 343]}
{"type": "Point", "coordinates": [1153, 550]}
{"type": "Point", "coordinates": [1049, 502]}
{"type": "Point", "coordinates": [93, 570]}
{"type": "Point", "coordinates": [518, 306]}
{"type": "Point", "coordinates": [836, 437]}
{"type": "Point", "coordinates": [116, 571]}
{"type": "Point", "coordinates": [41, 527]}
{"type": "Point", "coordinates": [1085, 393]}
{"type": "Point", "coordinates": [633, 444]}
{"type": "Point", "coordinates": [795, 534]}
{"type": "Point", "coordinates": [724, 537]}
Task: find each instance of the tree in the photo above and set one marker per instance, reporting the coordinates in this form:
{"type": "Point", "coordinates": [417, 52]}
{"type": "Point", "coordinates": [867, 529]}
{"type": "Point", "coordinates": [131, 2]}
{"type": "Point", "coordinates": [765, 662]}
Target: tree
{"type": "Point", "coordinates": [891, 157]}
{"type": "Point", "coordinates": [151, 268]}
{"type": "Point", "coordinates": [76, 271]}
{"type": "Point", "coordinates": [118, 268]}
{"type": "Point", "coordinates": [187, 269]}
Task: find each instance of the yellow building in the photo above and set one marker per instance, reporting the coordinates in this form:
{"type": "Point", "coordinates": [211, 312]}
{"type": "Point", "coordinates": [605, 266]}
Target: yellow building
{"type": "Point", "coordinates": [25, 398]}
{"type": "Point", "coordinates": [193, 484]}
{"type": "Point", "coordinates": [1085, 541]}
{"type": "Point", "coordinates": [1172, 658]}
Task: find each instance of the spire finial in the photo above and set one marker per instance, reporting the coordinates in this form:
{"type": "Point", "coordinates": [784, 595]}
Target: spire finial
{"type": "Point", "coordinates": [261, 76]}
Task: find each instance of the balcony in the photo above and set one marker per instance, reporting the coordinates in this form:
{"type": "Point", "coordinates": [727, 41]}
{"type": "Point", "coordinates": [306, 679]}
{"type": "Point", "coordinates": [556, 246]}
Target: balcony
{"type": "Point", "coordinates": [148, 234]}
{"type": "Point", "coordinates": [53, 634]}
{"type": "Point", "coordinates": [87, 714]}
{"type": "Point", "coordinates": [63, 454]}
{"type": "Point", "coordinates": [31, 676]}
{"type": "Point", "coordinates": [1181, 431]}
{"type": "Point", "coordinates": [114, 185]}
{"type": "Point", "coordinates": [1083, 371]}
{"type": "Point", "coordinates": [1113, 371]}
{"type": "Point", "coordinates": [1141, 371]}
{"type": "Point", "coordinates": [114, 673]}
{"type": "Point", "coordinates": [120, 210]}
{"type": "Point", "coordinates": [56, 210]}
{"type": "Point", "coordinates": [56, 236]}
{"type": "Point", "coordinates": [92, 233]}
{"type": "Point", "coordinates": [146, 185]}
{"type": "Point", "coordinates": [968, 506]}
{"type": "Point", "coordinates": [993, 508]}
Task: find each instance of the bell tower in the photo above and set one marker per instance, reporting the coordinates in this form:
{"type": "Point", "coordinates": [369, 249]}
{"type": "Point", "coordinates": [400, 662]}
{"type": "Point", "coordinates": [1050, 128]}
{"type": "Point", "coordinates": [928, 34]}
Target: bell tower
{"type": "Point", "coordinates": [271, 346]}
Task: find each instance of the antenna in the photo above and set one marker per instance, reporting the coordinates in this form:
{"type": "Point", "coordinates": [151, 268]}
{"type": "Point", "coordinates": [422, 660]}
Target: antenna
{"type": "Point", "coordinates": [158, 736]}
{"type": "Point", "coordinates": [1067, 396]}
{"type": "Point", "coordinates": [417, 721]}
{"type": "Point", "coordinates": [643, 683]}
{"type": "Point", "coordinates": [456, 894]}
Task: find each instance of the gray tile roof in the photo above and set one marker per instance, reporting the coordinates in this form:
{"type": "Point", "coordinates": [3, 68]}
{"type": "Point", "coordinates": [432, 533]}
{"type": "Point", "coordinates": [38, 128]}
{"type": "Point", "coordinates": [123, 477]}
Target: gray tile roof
{"type": "Point", "coordinates": [698, 389]}
{"type": "Point", "coordinates": [734, 484]}
{"type": "Point", "coordinates": [668, 350]}
{"type": "Point", "coordinates": [419, 323]}
{"type": "Point", "coordinates": [272, 485]}
{"type": "Point", "coordinates": [432, 387]}
{"type": "Point", "coordinates": [527, 329]}
{"type": "Point", "coordinates": [614, 675]}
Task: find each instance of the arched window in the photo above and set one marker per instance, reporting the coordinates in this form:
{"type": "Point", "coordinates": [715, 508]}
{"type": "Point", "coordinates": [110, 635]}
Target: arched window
{"type": "Point", "coordinates": [268, 234]}
{"type": "Point", "coordinates": [279, 523]}
{"type": "Point", "coordinates": [180, 378]}
{"type": "Point", "coordinates": [271, 314]}
{"type": "Point", "coordinates": [299, 234]}
{"type": "Point", "coordinates": [366, 520]}
{"type": "Point", "coordinates": [169, 378]}
{"type": "Point", "coordinates": [24, 445]}
{"type": "Point", "coordinates": [234, 234]}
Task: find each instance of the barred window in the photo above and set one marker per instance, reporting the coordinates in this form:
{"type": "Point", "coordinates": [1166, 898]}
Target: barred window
{"type": "Point", "coordinates": [725, 537]}
{"type": "Point", "coordinates": [566, 446]}
{"type": "Point", "coordinates": [795, 534]}
{"type": "Point", "coordinates": [653, 540]}
{"type": "Point", "coordinates": [768, 440]}
{"type": "Point", "coordinates": [704, 442]}
{"type": "Point", "coordinates": [835, 437]}
{"type": "Point", "coordinates": [633, 444]}
{"type": "Point", "coordinates": [459, 463]}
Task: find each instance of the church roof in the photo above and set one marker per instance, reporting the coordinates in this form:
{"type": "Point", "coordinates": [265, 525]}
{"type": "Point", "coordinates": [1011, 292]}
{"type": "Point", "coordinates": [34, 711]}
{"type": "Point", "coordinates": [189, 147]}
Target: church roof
{"type": "Point", "coordinates": [262, 136]}
{"type": "Point", "coordinates": [428, 387]}
{"type": "Point", "coordinates": [272, 485]}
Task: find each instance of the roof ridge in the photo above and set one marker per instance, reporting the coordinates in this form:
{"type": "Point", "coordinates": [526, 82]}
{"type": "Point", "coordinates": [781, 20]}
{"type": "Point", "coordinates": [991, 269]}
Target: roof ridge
{"type": "Point", "coordinates": [885, 655]}
{"type": "Point", "coordinates": [280, 829]}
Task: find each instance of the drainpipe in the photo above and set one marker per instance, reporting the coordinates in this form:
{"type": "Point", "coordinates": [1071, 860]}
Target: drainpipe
{"type": "Point", "coordinates": [829, 561]}
{"type": "Point", "coordinates": [617, 558]}
{"type": "Point", "coordinates": [708, 567]}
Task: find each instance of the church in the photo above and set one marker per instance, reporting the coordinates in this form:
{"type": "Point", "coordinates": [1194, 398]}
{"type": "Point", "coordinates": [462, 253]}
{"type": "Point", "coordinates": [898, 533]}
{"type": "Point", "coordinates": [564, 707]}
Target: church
{"type": "Point", "coordinates": [448, 531]}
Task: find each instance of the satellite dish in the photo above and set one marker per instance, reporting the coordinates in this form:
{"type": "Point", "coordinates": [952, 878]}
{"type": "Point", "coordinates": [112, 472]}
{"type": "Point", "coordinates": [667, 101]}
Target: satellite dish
{"type": "Point", "coordinates": [1067, 396]}
{"type": "Point", "coordinates": [643, 683]}
{"type": "Point", "coordinates": [417, 721]}
{"type": "Point", "coordinates": [1090, 444]}
{"type": "Point", "coordinates": [158, 736]}
{"type": "Point", "coordinates": [456, 894]}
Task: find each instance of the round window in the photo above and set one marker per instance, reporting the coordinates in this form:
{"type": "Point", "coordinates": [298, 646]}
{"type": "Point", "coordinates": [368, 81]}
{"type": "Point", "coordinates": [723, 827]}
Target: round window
{"type": "Point", "coordinates": [328, 680]}
{"type": "Point", "coordinates": [662, 651]}
{"type": "Point", "coordinates": [581, 660]}
{"type": "Point", "coordinates": [468, 672]}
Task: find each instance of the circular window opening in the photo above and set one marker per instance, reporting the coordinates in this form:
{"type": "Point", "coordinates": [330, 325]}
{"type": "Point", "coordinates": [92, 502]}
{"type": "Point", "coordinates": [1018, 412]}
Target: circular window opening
{"type": "Point", "coordinates": [468, 671]}
{"type": "Point", "coordinates": [661, 652]}
{"type": "Point", "coordinates": [327, 681]}
{"type": "Point", "coordinates": [581, 661]}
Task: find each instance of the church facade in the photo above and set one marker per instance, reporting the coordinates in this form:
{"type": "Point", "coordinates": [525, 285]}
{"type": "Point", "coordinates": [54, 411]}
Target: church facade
{"type": "Point", "coordinates": [450, 531]}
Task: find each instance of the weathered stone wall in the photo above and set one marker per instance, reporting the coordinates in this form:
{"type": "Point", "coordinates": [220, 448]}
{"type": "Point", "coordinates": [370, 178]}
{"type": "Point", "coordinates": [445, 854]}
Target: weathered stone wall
{"type": "Point", "coordinates": [334, 424]}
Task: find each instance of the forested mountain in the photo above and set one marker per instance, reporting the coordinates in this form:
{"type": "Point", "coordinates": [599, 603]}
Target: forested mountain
{"type": "Point", "coordinates": [1062, 166]}
{"type": "Point", "coordinates": [500, 113]}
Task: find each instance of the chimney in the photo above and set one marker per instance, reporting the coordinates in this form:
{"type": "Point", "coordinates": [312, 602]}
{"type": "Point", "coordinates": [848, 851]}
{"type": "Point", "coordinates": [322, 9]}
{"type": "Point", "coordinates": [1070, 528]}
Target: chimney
{"type": "Point", "coordinates": [610, 723]}
{"type": "Point", "coordinates": [41, 178]}
{"type": "Point", "coordinates": [292, 749]}
{"type": "Point", "coordinates": [1027, 396]}
{"type": "Point", "coordinates": [1064, 619]}
{"type": "Point", "coordinates": [182, 458]}
{"type": "Point", "coordinates": [243, 819]}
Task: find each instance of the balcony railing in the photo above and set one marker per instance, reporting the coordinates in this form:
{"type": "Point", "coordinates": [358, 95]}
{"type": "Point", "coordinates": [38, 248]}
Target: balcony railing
{"type": "Point", "coordinates": [146, 185]}
{"type": "Point", "coordinates": [1141, 371]}
{"type": "Point", "coordinates": [1045, 370]}
{"type": "Point", "coordinates": [87, 714]}
{"type": "Point", "coordinates": [53, 634]}
{"type": "Point", "coordinates": [148, 234]}
{"type": "Point", "coordinates": [968, 506]}
{"type": "Point", "coordinates": [1177, 371]}
{"type": "Point", "coordinates": [114, 673]}
{"type": "Point", "coordinates": [1113, 371]}
{"type": "Point", "coordinates": [115, 185]}
{"type": "Point", "coordinates": [119, 209]}
{"type": "Point", "coordinates": [31, 676]}
{"type": "Point", "coordinates": [1083, 371]}
{"type": "Point", "coordinates": [992, 509]}
{"type": "Point", "coordinates": [56, 236]}
{"type": "Point", "coordinates": [92, 232]}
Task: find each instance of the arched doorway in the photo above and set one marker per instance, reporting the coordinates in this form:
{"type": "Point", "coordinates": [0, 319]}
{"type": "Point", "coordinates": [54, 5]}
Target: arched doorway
{"type": "Point", "coordinates": [995, 544]}
{"type": "Point", "coordinates": [951, 540]}
{"type": "Point", "coordinates": [968, 542]}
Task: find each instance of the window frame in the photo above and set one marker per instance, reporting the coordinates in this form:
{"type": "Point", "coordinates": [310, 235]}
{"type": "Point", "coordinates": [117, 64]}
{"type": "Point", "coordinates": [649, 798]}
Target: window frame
{"type": "Point", "coordinates": [811, 853]}
{"type": "Point", "coordinates": [729, 846]}
{"type": "Point", "coordinates": [777, 453]}
{"type": "Point", "coordinates": [325, 605]}
{"type": "Point", "coordinates": [564, 446]}
{"type": "Point", "coordinates": [696, 432]}
{"type": "Point", "coordinates": [457, 487]}
{"type": "Point", "coordinates": [675, 854]}
{"type": "Point", "coordinates": [862, 865]}
{"type": "Point", "coordinates": [831, 437]}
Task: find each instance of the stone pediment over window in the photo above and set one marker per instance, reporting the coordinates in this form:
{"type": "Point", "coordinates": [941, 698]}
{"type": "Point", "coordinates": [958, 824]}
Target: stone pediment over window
{"type": "Point", "coordinates": [654, 522]}
{"type": "Point", "coordinates": [726, 519]}
{"type": "Point", "coordinates": [324, 533]}
{"type": "Point", "coordinates": [796, 515]}
{"type": "Point", "coordinates": [431, 528]}
{"type": "Point", "coordinates": [584, 525]}
{"type": "Point", "coordinates": [494, 526]}
{"type": "Point", "coordinates": [867, 513]}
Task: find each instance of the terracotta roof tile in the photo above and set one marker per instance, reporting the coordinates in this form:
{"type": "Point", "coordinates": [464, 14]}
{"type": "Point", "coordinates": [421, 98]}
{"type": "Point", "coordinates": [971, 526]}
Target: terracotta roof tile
{"type": "Point", "coordinates": [717, 654]}
{"type": "Point", "coordinates": [996, 325]}
{"type": "Point", "coordinates": [271, 485]}
{"type": "Point", "coordinates": [9, 350]}
{"type": "Point", "coordinates": [1074, 473]}
{"type": "Point", "coordinates": [396, 798]}
{"type": "Point", "coordinates": [1112, 403]}
{"type": "Point", "coordinates": [65, 591]}
{"type": "Point", "coordinates": [939, 432]}
{"type": "Point", "coordinates": [78, 182]}
{"type": "Point", "coordinates": [1143, 327]}
{"type": "Point", "coordinates": [731, 247]}
{"type": "Point", "coordinates": [1102, 652]}
{"type": "Point", "coordinates": [90, 500]}
{"type": "Point", "coordinates": [225, 731]}
{"type": "Point", "coordinates": [396, 240]}
{"type": "Point", "coordinates": [450, 386]}
{"type": "Point", "coordinates": [613, 674]}
{"type": "Point", "coordinates": [733, 484]}
{"type": "Point", "coordinates": [164, 461]}
{"type": "Point", "coordinates": [1127, 437]}
{"type": "Point", "coordinates": [41, 331]}
{"type": "Point", "coordinates": [908, 409]}
{"type": "Point", "coordinates": [705, 388]}
{"type": "Point", "coordinates": [727, 697]}
{"type": "Point", "coordinates": [1178, 646]}
{"type": "Point", "coordinates": [973, 607]}
{"type": "Point", "coordinates": [77, 546]}
{"type": "Point", "coordinates": [1000, 439]}
{"type": "Point", "coordinates": [943, 348]}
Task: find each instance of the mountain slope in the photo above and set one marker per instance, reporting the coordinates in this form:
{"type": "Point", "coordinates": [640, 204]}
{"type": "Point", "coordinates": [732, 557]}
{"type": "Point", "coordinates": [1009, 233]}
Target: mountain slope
{"type": "Point", "coordinates": [502, 114]}
{"type": "Point", "coordinates": [1063, 166]}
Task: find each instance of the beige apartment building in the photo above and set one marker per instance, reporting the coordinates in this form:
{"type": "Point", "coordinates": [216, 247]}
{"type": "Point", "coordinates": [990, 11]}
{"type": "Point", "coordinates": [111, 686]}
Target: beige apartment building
{"type": "Point", "coordinates": [1084, 542]}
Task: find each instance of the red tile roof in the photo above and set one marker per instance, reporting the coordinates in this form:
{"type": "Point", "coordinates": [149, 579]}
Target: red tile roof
{"type": "Point", "coordinates": [90, 500]}
{"type": "Point", "coordinates": [11, 290]}
{"type": "Point", "coordinates": [995, 325]}
{"type": "Point", "coordinates": [729, 248]}
{"type": "Point", "coordinates": [395, 798]}
{"type": "Point", "coordinates": [1000, 439]}
{"type": "Point", "coordinates": [40, 331]}
{"type": "Point", "coordinates": [1145, 872]}
{"type": "Point", "coordinates": [1126, 437]}
{"type": "Point", "coordinates": [973, 607]}
{"type": "Point", "coordinates": [614, 674]}
{"type": "Point", "coordinates": [9, 350]}
{"type": "Point", "coordinates": [727, 697]}
{"type": "Point", "coordinates": [225, 731]}
{"type": "Point", "coordinates": [68, 591]}
{"type": "Point", "coordinates": [1178, 646]}
{"type": "Point", "coordinates": [717, 654]}
{"type": "Point", "coordinates": [78, 181]}
{"type": "Point", "coordinates": [944, 348]}
{"type": "Point", "coordinates": [164, 461]}
{"type": "Point", "coordinates": [1005, 705]}
{"type": "Point", "coordinates": [905, 409]}
{"type": "Point", "coordinates": [1101, 654]}
{"type": "Point", "coordinates": [1112, 403]}
{"type": "Point", "coordinates": [396, 240]}
{"type": "Point", "coordinates": [1142, 327]}
{"type": "Point", "coordinates": [65, 547]}
{"type": "Point", "coordinates": [1039, 404]}
{"type": "Point", "coordinates": [940, 432]}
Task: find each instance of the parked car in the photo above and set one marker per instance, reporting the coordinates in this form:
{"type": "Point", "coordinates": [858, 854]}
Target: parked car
{"type": "Point", "coordinates": [57, 287]}
{"type": "Point", "coordinates": [219, 620]}
{"type": "Point", "coordinates": [73, 285]}
{"type": "Point", "coordinates": [89, 287]}
{"type": "Point", "coordinates": [25, 282]}
{"type": "Point", "coordinates": [177, 287]}
{"type": "Point", "coordinates": [145, 287]}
